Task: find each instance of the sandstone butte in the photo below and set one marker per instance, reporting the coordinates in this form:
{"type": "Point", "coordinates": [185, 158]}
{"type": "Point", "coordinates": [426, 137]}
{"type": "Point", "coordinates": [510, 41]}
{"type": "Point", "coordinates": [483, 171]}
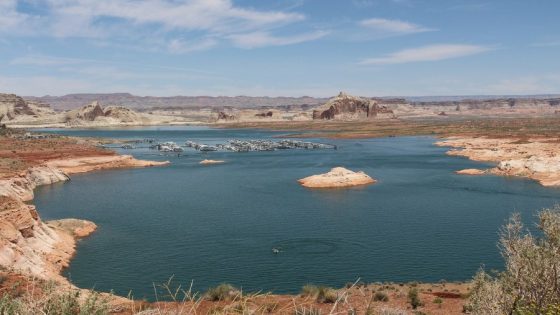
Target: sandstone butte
{"type": "Point", "coordinates": [209, 162]}
{"type": "Point", "coordinates": [537, 159]}
{"type": "Point", "coordinates": [41, 249]}
{"type": "Point", "coordinates": [337, 177]}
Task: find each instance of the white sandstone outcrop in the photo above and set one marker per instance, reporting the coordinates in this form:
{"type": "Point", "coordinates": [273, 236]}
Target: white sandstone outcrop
{"type": "Point", "coordinates": [337, 177]}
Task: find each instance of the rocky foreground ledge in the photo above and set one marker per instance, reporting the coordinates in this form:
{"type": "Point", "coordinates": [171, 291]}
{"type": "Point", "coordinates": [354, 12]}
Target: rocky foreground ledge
{"type": "Point", "coordinates": [537, 159]}
{"type": "Point", "coordinates": [337, 177]}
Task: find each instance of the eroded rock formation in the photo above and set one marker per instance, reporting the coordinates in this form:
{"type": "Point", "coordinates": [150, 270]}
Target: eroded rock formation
{"type": "Point", "coordinates": [12, 106]}
{"type": "Point", "coordinates": [345, 106]}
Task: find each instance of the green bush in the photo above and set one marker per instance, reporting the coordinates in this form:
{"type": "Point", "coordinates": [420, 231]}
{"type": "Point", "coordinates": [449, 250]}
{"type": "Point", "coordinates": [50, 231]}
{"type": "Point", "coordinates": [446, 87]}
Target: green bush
{"type": "Point", "coordinates": [413, 298]}
{"type": "Point", "coordinates": [531, 270]}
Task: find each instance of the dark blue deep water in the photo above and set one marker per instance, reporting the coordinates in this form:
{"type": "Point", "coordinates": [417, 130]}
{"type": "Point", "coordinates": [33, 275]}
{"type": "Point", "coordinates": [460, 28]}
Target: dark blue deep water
{"type": "Point", "coordinates": [218, 223]}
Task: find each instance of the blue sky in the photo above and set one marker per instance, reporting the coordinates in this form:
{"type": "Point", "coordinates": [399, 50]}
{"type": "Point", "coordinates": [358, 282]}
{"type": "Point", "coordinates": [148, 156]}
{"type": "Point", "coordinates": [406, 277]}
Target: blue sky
{"type": "Point", "coordinates": [279, 47]}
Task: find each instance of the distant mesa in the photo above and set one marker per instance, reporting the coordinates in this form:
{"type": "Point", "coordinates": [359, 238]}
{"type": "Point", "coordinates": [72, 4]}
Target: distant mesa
{"type": "Point", "coordinates": [336, 178]}
{"type": "Point", "coordinates": [210, 162]}
{"type": "Point", "coordinates": [346, 106]}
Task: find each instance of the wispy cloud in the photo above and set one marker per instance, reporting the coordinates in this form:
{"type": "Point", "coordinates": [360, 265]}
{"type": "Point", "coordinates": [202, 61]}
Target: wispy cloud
{"type": "Point", "coordinates": [427, 53]}
{"type": "Point", "coordinates": [393, 27]}
{"type": "Point", "coordinates": [179, 23]}
{"type": "Point", "coordinates": [260, 39]}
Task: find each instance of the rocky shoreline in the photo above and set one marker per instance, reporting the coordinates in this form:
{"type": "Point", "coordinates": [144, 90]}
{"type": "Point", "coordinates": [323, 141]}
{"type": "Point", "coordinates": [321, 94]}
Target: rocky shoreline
{"type": "Point", "coordinates": [31, 246]}
{"type": "Point", "coordinates": [535, 158]}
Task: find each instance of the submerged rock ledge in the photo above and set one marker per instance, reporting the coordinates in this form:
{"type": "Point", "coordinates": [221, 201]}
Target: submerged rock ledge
{"type": "Point", "coordinates": [337, 177]}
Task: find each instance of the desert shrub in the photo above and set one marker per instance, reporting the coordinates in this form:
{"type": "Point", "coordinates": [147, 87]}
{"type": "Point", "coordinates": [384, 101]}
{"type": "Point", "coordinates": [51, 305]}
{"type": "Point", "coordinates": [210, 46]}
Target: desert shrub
{"type": "Point", "coordinates": [326, 295]}
{"type": "Point", "coordinates": [8, 305]}
{"type": "Point", "coordinates": [380, 296]}
{"type": "Point", "coordinates": [414, 298]}
{"type": "Point", "coordinates": [530, 283]}
{"type": "Point", "coordinates": [222, 292]}
{"type": "Point", "coordinates": [320, 293]}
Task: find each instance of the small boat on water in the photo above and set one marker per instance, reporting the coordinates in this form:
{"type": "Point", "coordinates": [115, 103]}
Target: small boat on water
{"type": "Point", "coordinates": [275, 250]}
{"type": "Point", "coordinates": [207, 148]}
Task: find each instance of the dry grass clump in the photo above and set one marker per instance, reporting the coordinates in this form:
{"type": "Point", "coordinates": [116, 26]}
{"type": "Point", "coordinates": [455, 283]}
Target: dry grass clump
{"type": "Point", "coordinates": [530, 283]}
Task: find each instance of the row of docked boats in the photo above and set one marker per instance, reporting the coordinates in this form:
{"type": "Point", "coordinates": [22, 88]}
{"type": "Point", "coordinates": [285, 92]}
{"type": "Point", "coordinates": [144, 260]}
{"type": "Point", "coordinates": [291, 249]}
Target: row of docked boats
{"type": "Point", "coordinates": [259, 145]}
{"type": "Point", "coordinates": [168, 146]}
{"type": "Point", "coordinates": [236, 145]}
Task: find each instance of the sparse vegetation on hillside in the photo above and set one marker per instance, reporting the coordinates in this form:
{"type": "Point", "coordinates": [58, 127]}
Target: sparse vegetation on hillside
{"type": "Point", "coordinates": [47, 298]}
{"type": "Point", "coordinates": [530, 283]}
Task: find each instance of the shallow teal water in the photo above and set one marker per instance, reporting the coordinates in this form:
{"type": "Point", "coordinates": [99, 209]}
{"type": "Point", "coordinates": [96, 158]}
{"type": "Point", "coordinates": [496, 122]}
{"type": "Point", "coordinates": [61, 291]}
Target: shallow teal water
{"type": "Point", "coordinates": [218, 223]}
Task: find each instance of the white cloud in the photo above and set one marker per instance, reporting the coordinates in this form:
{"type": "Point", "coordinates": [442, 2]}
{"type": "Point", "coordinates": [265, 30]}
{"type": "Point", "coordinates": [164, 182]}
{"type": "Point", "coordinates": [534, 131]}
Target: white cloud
{"type": "Point", "coordinates": [427, 53]}
{"type": "Point", "coordinates": [260, 39]}
{"type": "Point", "coordinates": [177, 24]}
{"type": "Point", "coordinates": [393, 27]}
{"type": "Point", "coordinates": [213, 15]}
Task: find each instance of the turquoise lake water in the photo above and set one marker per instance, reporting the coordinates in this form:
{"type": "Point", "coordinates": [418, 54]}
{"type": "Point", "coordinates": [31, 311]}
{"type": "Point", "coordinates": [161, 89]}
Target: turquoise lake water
{"type": "Point", "coordinates": [219, 223]}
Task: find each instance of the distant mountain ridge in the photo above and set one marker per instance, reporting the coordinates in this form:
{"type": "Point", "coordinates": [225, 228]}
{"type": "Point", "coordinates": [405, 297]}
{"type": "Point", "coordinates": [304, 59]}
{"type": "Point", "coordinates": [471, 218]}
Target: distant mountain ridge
{"type": "Point", "coordinates": [72, 101]}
